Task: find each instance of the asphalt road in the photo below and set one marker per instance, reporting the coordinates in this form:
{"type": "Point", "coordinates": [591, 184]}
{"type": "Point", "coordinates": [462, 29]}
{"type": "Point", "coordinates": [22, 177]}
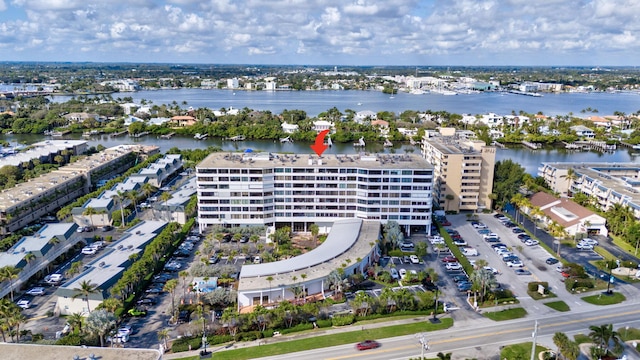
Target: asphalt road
{"type": "Point", "coordinates": [481, 340]}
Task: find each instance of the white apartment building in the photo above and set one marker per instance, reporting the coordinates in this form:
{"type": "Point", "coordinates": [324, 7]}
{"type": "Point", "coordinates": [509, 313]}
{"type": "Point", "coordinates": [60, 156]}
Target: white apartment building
{"type": "Point", "coordinates": [300, 190]}
{"type": "Point", "coordinates": [233, 83]}
{"type": "Point", "coordinates": [608, 183]}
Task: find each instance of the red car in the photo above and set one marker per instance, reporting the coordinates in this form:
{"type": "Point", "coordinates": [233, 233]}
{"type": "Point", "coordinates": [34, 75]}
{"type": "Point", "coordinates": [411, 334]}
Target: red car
{"type": "Point", "coordinates": [367, 344]}
{"type": "Point", "coordinates": [449, 259]}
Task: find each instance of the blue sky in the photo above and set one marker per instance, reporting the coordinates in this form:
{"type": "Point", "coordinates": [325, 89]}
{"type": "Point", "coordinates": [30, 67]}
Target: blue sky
{"type": "Point", "coordinates": [323, 32]}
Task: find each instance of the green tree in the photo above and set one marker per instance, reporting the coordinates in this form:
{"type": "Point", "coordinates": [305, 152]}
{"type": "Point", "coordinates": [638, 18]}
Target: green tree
{"type": "Point", "coordinates": [164, 336]}
{"type": "Point", "coordinates": [171, 286]}
{"type": "Point", "coordinates": [76, 320]}
{"type": "Point", "coordinates": [119, 197]}
{"type": "Point", "coordinates": [89, 212]}
{"type": "Point", "coordinates": [9, 273]}
{"type": "Point", "coordinates": [99, 323]}
{"type": "Point", "coordinates": [315, 230]}
{"type": "Point", "coordinates": [508, 177]}
{"type": "Point", "coordinates": [86, 288]}
{"type": "Point", "coordinates": [165, 197]}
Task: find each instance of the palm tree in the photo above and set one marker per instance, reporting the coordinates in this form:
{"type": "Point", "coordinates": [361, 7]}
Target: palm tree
{"type": "Point", "coordinates": [148, 189]}
{"type": "Point", "coordinates": [315, 230]}
{"type": "Point", "coordinates": [119, 196]}
{"type": "Point", "coordinates": [111, 304]}
{"type": "Point", "coordinates": [269, 279]}
{"type": "Point", "coordinates": [560, 340]}
{"type": "Point", "coordinates": [9, 273]}
{"type": "Point", "coordinates": [29, 257]}
{"type": "Point", "coordinates": [442, 356]}
{"type": "Point", "coordinates": [76, 320]}
{"type": "Point", "coordinates": [570, 176]}
{"type": "Point", "coordinates": [163, 335]}
{"type": "Point", "coordinates": [86, 288]}
{"type": "Point", "coordinates": [99, 323]}
{"type": "Point", "coordinates": [132, 195]}
{"type": "Point", "coordinates": [183, 275]}
{"type": "Point", "coordinates": [603, 334]}
{"type": "Point", "coordinates": [535, 214]}
{"type": "Point", "coordinates": [7, 309]}
{"type": "Point", "coordinates": [90, 211]}
{"type": "Point", "coordinates": [449, 197]}
{"type": "Point", "coordinates": [482, 281]}
{"type": "Point", "coordinates": [14, 322]}
{"type": "Point", "coordinates": [170, 286]}
{"type": "Point", "coordinates": [164, 197]}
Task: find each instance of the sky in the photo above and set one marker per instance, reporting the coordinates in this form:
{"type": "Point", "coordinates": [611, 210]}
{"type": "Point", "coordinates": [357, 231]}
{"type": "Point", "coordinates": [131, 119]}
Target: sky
{"type": "Point", "coordinates": [324, 32]}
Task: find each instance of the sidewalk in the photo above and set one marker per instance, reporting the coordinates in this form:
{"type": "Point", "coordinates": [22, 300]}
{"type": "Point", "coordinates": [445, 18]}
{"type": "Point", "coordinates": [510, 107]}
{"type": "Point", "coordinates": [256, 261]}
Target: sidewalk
{"type": "Point", "coordinates": [304, 335]}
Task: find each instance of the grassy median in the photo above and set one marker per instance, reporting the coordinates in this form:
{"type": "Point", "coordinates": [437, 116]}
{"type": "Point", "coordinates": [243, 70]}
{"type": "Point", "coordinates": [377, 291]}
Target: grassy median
{"type": "Point", "coordinates": [322, 341]}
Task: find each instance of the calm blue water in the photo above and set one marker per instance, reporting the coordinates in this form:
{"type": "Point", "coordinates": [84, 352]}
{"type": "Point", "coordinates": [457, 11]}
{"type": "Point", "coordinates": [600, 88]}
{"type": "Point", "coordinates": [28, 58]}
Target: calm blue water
{"type": "Point", "coordinates": [315, 102]}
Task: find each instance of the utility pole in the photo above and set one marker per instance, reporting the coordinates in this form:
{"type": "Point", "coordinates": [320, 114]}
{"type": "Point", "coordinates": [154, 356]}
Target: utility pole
{"type": "Point", "coordinates": [535, 335]}
{"type": "Point", "coordinates": [424, 344]}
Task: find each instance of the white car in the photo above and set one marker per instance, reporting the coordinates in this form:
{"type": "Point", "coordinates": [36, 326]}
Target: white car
{"type": "Point", "coordinates": [479, 226]}
{"type": "Point", "coordinates": [494, 271]}
{"type": "Point", "coordinates": [125, 330]}
{"type": "Point", "coordinates": [403, 273]}
{"type": "Point", "coordinates": [490, 235]}
{"type": "Point", "coordinates": [453, 266]}
{"type": "Point", "coordinates": [407, 244]}
{"type": "Point", "coordinates": [531, 242]}
{"type": "Point", "coordinates": [53, 278]}
{"type": "Point", "coordinates": [515, 263]}
{"type": "Point", "coordinates": [436, 240]}
{"type": "Point", "coordinates": [88, 250]}
{"type": "Point", "coordinates": [469, 251]}
{"type": "Point", "coordinates": [414, 259]}
{"type": "Point", "coordinates": [592, 242]}
{"type": "Point", "coordinates": [583, 246]}
{"type": "Point", "coordinates": [36, 291]}
{"type": "Point", "coordinates": [24, 304]}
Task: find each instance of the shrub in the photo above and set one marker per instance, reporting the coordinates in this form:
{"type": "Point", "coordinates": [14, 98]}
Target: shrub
{"type": "Point", "coordinates": [248, 336]}
{"type": "Point", "coordinates": [324, 323]}
{"type": "Point", "coordinates": [579, 284]}
{"type": "Point", "coordinates": [533, 286]}
{"type": "Point", "coordinates": [71, 339]}
{"type": "Point", "coordinates": [299, 327]}
{"type": "Point", "coordinates": [267, 333]}
{"type": "Point", "coordinates": [342, 320]}
{"type": "Point", "coordinates": [182, 344]}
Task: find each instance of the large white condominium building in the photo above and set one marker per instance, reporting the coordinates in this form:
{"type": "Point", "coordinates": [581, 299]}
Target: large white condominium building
{"type": "Point", "coordinates": [299, 190]}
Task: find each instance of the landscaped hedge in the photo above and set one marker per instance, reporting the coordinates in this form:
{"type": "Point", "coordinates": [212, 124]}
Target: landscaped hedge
{"type": "Point", "coordinates": [342, 320]}
{"type": "Point", "coordinates": [533, 286]}
{"type": "Point", "coordinates": [576, 284]}
{"type": "Point", "coordinates": [182, 344]}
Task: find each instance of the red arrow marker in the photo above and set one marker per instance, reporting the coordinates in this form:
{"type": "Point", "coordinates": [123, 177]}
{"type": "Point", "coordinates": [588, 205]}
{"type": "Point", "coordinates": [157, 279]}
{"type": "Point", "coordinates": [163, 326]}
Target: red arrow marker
{"type": "Point", "coordinates": [319, 147]}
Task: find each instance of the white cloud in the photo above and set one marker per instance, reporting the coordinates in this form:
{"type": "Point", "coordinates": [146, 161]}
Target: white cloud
{"type": "Point", "coordinates": [363, 31]}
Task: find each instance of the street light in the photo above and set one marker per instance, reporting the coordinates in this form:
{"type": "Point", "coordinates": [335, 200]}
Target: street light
{"type": "Point", "coordinates": [424, 344]}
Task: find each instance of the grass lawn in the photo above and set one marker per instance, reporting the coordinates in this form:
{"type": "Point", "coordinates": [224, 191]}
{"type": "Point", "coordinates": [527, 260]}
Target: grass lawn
{"type": "Point", "coordinates": [602, 299]}
{"type": "Point", "coordinates": [520, 351]}
{"type": "Point", "coordinates": [507, 314]}
{"type": "Point", "coordinates": [582, 339]}
{"type": "Point", "coordinates": [322, 341]}
{"type": "Point", "coordinates": [558, 305]}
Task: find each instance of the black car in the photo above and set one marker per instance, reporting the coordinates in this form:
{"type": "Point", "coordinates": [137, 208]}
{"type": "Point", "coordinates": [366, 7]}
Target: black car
{"type": "Point", "coordinates": [184, 316]}
{"type": "Point", "coordinates": [552, 261]}
{"type": "Point", "coordinates": [459, 278]}
{"type": "Point", "coordinates": [524, 237]}
{"type": "Point", "coordinates": [244, 239]}
{"type": "Point", "coordinates": [517, 230]}
{"type": "Point", "coordinates": [509, 224]}
{"type": "Point", "coordinates": [146, 301]}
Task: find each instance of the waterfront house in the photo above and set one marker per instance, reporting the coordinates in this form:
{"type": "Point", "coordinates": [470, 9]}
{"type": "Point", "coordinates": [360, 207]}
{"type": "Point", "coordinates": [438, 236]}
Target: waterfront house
{"type": "Point", "coordinates": [583, 131]}
{"type": "Point", "coordinates": [366, 115]}
{"type": "Point", "coordinates": [78, 117]}
{"type": "Point", "coordinates": [289, 128]}
{"type": "Point", "coordinates": [183, 120]}
{"type": "Point", "coordinates": [321, 125]}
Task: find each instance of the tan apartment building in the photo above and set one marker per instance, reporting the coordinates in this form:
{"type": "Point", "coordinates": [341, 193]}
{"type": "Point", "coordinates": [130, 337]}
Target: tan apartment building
{"type": "Point", "coordinates": [463, 170]}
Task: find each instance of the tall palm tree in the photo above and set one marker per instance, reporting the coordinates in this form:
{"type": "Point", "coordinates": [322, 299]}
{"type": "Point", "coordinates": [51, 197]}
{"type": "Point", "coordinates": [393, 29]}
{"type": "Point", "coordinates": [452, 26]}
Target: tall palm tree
{"type": "Point", "coordinates": [560, 339]}
{"type": "Point", "coordinates": [14, 322]}
{"type": "Point", "coordinates": [570, 176]}
{"type": "Point", "coordinates": [315, 230]}
{"type": "Point", "coordinates": [86, 288]}
{"type": "Point", "coordinates": [170, 286]}
{"type": "Point", "coordinates": [9, 273]}
{"type": "Point", "coordinates": [7, 309]}
{"type": "Point", "coordinates": [132, 195]}
{"type": "Point", "coordinates": [163, 335]}
{"type": "Point", "coordinates": [269, 279]}
{"type": "Point", "coordinates": [148, 189]}
{"type": "Point", "coordinates": [90, 211]}
{"type": "Point", "coordinates": [111, 304]}
{"type": "Point", "coordinates": [119, 197]}
{"type": "Point", "coordinates": [603, 334]}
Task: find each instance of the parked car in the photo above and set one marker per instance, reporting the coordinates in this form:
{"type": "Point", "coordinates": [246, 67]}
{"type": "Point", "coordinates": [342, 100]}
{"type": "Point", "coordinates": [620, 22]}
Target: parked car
{"type": "Point", "coordinates": [125, 329]}
{"type": "Point", "coordinates": [184, 316]}
{"type": "Point", "coordinates": [88, 250]}
{"type": "Point", "coordinates": [531, 242]}
{"type": "Point", "coordinates": [367, 344]}
{"type": "Point", "coordinates": [460, 242]}
{"type": "Point", "coordinates": [453, 266]}
{"type": "Point", "coordinates": [53, 279]}
{"type": "Point", "coordinates": [460, 278]}
{"type": "Point", "coordinates": [137, 312]}
{"type": "Point", "coordinates": [436, 240]}
{"type": "Point", "coordinates": [394, 274]}
{"type": "Point", "coordinates": [517, 230]}
{"type": "Point", "coordinates": [146, 301]}
{"type": "Point", "coordinates": [466, 286]}
{"type": "Point", "coordinates": [551, 261]}
{"type": "Point", "coordinates": [24, 303]}
{"type": "Point", "coordinates": [584, 246]}
{"type": "Point", "coordinates": [524, 236]}
{"type": "Point", "coordinates": [478, 225]}
{"type": "Point", "coordinates": [414, 259]}
{"type": "Point", "coordinates": [469, 251]}
{"type": "Point", "coordinates": [522, 272]}
{"type": "Point", "coordinates": [403, 273]}
{"type": "Point", "coordinates": [484, 231]}
{"type": "Point", "coordinates": [589, 241]}
{"type": "Point", "coordinates": [515, 263]}
{"type": "Point", "coordinates": [449, 259]}
{"type": "Point", "coordinates": [36, 291]}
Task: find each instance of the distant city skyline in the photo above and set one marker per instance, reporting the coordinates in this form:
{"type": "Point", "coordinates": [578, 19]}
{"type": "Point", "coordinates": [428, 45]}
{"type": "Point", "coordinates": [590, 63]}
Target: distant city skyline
{"type": "Point", "coordinates": [324, 32]}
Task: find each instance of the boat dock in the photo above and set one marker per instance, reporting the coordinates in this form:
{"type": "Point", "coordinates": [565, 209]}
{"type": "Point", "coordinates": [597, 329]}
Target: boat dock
{"type": "Point", "coordinates": [497, 144]}
{"type": "Point", "coordinates": [167, 136]}
{"type": "Point", "coordinates": [630, 146]}
{"type": "Point", "coordinates": [139, 135]}
{"type": "Point", "coordinates": [116, 134]}
{"type": "Point", "coordinates": [597, 145]}
{"type": "Point", "coordinates": [237, 138]}
{"type": "Point", "coordinates": [572, 146]}
{"type": "Point", "coordinates": [534, 146]}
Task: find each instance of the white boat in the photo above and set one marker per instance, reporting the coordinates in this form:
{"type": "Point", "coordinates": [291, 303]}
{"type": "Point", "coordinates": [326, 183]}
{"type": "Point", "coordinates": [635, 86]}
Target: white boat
{"type": "Point", "coordinates": [359, 104]}
{"type": "Point", "coordinates": [199, 136]}
{"type": "Point", "coordinates": [286, 140]}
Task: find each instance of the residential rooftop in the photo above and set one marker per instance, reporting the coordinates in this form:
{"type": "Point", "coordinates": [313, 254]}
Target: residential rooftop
{"type": "Point", "coordinates": [271, 160]}
{"type": "Point", "coordinates": [348, 239]}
